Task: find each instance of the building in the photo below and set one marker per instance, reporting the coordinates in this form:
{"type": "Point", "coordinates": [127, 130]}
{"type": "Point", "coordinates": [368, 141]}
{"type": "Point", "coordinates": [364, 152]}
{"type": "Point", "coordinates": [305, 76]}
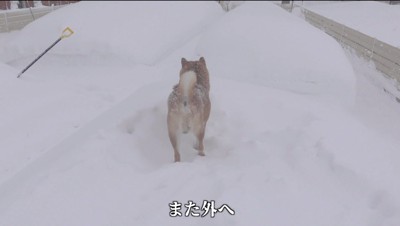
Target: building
{"type": "Point", "coordinates": [4, 5]}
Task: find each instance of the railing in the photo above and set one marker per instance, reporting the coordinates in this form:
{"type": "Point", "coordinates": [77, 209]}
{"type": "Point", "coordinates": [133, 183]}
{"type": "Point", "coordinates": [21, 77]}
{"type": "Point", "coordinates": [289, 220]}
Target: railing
{"type": "Point", "coordinates": [17, 19]}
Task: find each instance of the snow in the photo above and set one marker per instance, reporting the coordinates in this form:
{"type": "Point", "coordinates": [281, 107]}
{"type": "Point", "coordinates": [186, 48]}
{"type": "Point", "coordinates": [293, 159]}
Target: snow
{"type": "Point", "coordinates": [372, 18]}
{"type": "Point", "coordinates": [14, 5]}
{"type": "Point", "coordinates": [38, 4]}
{"type": "Point", "coordinates": [230, 5]}
{"type": "Point", "coordinates": [307, 72]}
{"type": "Point", "coordinates": [121, 33]}
{"type": "Point", "coordinates": [83, 134]}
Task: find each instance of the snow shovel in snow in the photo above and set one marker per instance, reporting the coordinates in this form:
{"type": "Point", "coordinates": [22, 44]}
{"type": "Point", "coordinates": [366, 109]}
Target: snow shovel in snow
{"type": "Point", "coordinates": [65, 34]}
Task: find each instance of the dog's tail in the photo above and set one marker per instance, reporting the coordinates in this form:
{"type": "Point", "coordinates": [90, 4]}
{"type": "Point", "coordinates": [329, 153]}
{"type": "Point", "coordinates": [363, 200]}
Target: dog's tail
{"type": "Point", "coordinates": [187, 82]}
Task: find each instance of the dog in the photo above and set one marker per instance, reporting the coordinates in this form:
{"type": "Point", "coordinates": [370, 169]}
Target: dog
{"type": "Point", "coordinates": [189, 105]}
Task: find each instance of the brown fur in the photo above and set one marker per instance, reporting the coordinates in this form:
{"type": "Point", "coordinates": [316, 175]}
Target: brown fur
{"type": "Point", "coordinates": [190, 114]}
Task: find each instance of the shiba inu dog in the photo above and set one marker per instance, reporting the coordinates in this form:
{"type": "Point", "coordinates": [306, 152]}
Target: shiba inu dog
{"type": "Point", "coordinates": [189, 104]}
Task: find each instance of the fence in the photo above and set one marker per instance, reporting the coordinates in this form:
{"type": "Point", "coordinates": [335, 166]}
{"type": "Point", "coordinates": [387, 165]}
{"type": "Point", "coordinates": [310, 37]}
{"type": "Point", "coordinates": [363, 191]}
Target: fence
{"type": "Point", "coordinates": [17, 19]}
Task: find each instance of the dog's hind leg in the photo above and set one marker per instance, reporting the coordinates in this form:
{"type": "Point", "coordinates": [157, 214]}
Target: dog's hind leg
{"type": "Point", "coordinates": [199, 141]}
{"type": "Point", "coordinates": [174, 141]}
{"type": "Point", "coordinates": [173, 136]}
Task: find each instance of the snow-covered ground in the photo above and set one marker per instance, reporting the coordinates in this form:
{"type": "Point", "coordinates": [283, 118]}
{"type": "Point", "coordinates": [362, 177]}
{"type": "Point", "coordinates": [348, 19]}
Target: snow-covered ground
{"type": "Point", "coordinates": [297, 134]}
{"type": "Point", "coordinates": [372, 18]}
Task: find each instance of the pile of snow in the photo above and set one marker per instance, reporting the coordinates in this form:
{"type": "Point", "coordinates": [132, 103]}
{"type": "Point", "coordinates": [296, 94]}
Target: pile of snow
{"type": "Point", "coordinates": [372, 18]}
{"type": "Point", "coordinates": [143, 31]}
{"type": "Point", "coordinates": [84, 137]}
{"type": "Point", "coordinates": [261, 43]}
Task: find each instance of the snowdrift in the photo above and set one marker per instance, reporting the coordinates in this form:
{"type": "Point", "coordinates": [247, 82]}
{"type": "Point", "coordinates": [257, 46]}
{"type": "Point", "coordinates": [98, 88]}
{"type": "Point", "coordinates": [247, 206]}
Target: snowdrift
{"type": "Point", "coordinates": [143, 31]}
{"type": "Point", "coordinates": [261, 43]}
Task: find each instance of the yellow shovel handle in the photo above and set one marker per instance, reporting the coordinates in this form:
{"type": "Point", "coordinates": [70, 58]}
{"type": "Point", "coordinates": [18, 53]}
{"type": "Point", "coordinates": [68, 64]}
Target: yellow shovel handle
{"type": "Point", "coordinates": [67, 32]}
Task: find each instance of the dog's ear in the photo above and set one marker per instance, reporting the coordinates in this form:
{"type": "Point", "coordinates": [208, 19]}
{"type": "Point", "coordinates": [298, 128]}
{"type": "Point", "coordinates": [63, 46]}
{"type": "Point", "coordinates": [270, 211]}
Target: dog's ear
{"type": "Point", "coordinates": [183, 61]}
{"type": "Point", "coordinates": [202, 60]}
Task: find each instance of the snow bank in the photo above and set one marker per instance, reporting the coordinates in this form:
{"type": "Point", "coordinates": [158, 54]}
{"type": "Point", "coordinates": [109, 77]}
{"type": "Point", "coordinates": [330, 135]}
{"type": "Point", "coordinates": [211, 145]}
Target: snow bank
{"type": "Point", "coordinates": [376, 19]}
{"type": "Point", "coordinates": [142, 31]}
{"type": "Point", "coordinates": [261, 43]}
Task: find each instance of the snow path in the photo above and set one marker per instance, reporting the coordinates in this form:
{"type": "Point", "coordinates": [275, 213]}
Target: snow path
{"type": "Point", "coordinates": [277, 156]}
{"type": "Point", "coordinates": [37, 169]}
{"type": "Point", "coordinates": [285, 160]}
